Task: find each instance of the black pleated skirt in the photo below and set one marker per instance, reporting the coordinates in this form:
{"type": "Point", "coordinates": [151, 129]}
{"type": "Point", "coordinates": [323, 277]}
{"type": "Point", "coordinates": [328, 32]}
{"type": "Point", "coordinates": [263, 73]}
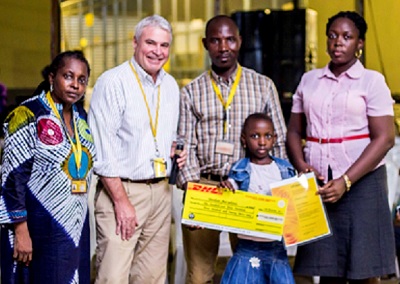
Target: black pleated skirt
{"type": "Point", "coordinates": [362, 244]}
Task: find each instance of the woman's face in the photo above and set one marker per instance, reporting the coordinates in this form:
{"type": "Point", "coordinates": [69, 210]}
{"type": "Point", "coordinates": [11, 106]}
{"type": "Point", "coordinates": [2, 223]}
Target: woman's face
{"type": "Point", "coordinates": [69, 82]}
{"type": "Point", "coordinates": [343, 42]}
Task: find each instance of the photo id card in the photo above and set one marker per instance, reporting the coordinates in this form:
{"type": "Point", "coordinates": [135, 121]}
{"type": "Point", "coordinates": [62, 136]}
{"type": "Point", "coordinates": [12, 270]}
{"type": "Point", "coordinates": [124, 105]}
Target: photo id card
{"type": "Point", "coordinates": [160, 167]}
{"type": "Point", "coordinates": [78, 186]}
{"type": "Point", "coordinates": [224, 147]}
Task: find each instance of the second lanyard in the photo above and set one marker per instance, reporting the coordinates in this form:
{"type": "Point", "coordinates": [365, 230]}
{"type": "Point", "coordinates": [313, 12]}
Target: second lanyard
{"type": "Point", "coordinates": [232, 92]}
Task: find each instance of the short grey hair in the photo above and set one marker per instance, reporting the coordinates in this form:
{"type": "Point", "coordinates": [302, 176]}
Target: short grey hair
{"type": "Point", "coordinates": [152, 21]}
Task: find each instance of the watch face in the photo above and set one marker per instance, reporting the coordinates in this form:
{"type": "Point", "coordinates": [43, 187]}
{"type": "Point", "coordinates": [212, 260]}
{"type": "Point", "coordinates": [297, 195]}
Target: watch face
{"type": "Point", "coordinates": [347, 182]}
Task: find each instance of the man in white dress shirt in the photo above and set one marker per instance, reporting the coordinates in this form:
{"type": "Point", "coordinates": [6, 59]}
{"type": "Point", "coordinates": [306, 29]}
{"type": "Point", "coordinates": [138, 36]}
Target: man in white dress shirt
{"type": "Point", "coordinates": [133, 116]}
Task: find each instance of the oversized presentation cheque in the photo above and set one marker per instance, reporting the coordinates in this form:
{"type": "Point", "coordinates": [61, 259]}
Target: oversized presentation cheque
{"type": "Point", "coordinates": [239, 212]}
{"type": "Point", "coordinates": [306, 219]}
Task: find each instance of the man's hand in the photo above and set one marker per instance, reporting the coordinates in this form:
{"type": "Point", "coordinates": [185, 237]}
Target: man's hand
{"type": "Point", "coordinates": [22, 243]}
{"type": "Point", "coordinates": [182, 155]}
{"type": "Point", "coordinates": [125, 215]}
{"type": "Point", "coordinates": [182, 158]}
{"type": "Point", "coordinates": [227, 184]}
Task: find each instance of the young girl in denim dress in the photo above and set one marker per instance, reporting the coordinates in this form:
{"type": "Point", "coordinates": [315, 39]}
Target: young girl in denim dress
{"type": "Point", "coordinates": [258, 260]}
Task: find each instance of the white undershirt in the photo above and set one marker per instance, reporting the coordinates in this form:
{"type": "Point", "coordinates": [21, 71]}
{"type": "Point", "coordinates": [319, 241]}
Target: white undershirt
{"type": "Point", "coordinates": [260, 179]}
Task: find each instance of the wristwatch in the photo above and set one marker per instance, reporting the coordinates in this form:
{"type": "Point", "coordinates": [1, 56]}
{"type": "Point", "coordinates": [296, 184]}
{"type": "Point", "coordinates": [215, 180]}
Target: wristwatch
{"type": "Point", "coordinates": [347, 182]}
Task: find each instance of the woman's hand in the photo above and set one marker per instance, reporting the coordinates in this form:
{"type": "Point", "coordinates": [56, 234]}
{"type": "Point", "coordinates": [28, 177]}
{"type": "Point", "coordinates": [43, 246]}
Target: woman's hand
{"type": "Point", "coordinates": [333, 190]}
{"type": "Point", "coordinates": [308, 169]}
{"type": "Point", "coordinates": [22, 243]}
{"type": "Point", "coordinates": [397, 218]}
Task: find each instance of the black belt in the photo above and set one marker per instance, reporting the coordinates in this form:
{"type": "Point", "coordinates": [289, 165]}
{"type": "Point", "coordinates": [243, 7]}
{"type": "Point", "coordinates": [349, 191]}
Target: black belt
{"type": "Point", "coordinates": [213, 177]}
{"type": "Point", "coordinates": [146, 181]}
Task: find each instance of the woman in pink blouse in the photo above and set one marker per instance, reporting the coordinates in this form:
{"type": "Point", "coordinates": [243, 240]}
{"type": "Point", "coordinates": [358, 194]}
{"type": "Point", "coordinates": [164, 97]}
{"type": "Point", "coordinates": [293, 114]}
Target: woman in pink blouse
{"type": "Point", "coordinates": [345, 114]}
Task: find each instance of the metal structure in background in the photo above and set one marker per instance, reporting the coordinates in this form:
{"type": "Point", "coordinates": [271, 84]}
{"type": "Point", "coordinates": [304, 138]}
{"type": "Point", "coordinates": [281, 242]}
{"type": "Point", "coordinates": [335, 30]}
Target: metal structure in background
{"type": "Point", "coordinates": [280, 44]}
{"type": "Point", "coordinates": [104, 29]}
{"type": "Point", "coordinates": [360, 9]}
{"type": "Point", "coordinates": [55, 28]}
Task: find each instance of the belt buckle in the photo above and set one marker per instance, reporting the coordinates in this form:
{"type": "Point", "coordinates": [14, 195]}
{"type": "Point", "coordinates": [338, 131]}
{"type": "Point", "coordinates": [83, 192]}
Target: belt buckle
{"type": "Point", "coordinates": [320, 140]}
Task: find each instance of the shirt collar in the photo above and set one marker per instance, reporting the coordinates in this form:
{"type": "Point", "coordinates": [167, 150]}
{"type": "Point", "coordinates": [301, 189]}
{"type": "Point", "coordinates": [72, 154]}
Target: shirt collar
{"type": "Point", "coordinates": [144, 76]}
{"type": "Point", "coordinates": [59, 106]}
{"type": "Point", "coordinates": [354, 72]}
{"type": "Point", "coordinates": [219, 79]}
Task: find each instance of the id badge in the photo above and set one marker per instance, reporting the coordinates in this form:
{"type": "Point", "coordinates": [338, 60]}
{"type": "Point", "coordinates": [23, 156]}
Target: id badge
{"type": "Point", "coordinates": [78, 186]}
{"type": "Point", "coordinates": [160, 168]}
{"type": "Point", "coordinates": [224, 147]}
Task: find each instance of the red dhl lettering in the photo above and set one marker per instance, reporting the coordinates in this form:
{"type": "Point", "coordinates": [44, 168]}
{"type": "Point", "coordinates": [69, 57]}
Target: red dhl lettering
{"type": "Point", "coordinates": [205, 188]}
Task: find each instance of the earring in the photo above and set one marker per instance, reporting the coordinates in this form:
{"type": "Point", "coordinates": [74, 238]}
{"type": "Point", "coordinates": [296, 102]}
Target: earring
{"type": "Point", "coordinates": [358, 53]}
{"type": "Point", "coordinates": [51, 88]}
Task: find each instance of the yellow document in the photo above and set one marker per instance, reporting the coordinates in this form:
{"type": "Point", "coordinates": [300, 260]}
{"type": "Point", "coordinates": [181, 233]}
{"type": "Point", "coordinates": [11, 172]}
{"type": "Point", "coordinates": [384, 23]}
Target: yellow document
{"type": "Point", "coordinates": [306, 218]}
{"type": "Point", "coordinates": [240, 212]}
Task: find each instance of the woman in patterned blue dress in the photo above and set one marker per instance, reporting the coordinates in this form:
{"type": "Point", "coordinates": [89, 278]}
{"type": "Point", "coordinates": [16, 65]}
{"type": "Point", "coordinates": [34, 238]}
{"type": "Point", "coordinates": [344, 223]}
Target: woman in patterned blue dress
{"type": "Point", "coordinates": [46, 171]}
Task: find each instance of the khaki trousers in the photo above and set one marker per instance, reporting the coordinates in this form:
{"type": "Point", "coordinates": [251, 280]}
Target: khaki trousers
{"type": "Point", "coordinates": [201, 251]}
{"type": "Point", "coordinates": [143, 258]}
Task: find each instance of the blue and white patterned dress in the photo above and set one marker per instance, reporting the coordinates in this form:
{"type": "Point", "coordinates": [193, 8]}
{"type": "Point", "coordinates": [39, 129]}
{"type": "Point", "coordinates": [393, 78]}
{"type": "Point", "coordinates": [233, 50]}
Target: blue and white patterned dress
{"type": "Point", "coordinates": [37, 169]}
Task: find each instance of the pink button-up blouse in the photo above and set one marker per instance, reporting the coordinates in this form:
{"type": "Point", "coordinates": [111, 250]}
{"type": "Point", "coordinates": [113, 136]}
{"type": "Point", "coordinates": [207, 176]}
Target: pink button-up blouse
{"type": "Point", "coordinates": [337, 107]}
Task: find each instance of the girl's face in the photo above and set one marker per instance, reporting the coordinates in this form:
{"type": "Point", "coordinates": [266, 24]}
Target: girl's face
{"type": "Point", "coordinates": [343, 42]}
{"type": "Point", "coordinates": [259, 138]}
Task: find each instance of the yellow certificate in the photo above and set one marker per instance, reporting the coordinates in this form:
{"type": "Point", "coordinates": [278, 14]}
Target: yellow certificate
{"type": "Point", "coordinates": [306, 218]}
{"type": "Point", "coordinates": [240, 212]}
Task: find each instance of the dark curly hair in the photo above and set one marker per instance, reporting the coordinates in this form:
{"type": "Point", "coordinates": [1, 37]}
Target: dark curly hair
{"type": "Point", "coordinates": [59, 60]}
{"type": "Point", "coordinates": [256, 116]}
{"type": "Point", "coordinates": [57, 63]}
{"type": "Point", "coordinates": [356, 18]}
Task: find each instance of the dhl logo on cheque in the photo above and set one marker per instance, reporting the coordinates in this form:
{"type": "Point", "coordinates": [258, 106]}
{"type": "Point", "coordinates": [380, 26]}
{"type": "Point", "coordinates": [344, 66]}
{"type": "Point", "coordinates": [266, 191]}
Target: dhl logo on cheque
{"type": "Point", "coordinates": [206, 188]}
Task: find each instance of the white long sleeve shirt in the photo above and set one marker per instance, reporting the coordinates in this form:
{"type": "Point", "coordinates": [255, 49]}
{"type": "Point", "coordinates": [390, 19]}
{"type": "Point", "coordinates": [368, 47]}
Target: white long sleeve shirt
{"type": "Point", "coordinates": [120, 123]}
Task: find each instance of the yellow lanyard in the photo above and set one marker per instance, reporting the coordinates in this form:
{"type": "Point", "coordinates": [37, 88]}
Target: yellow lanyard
{"type": "Point", "coordinates": [76, 148]}
{"type": "Point", "coordinates": [230, 97]}
{"type": "Point", "coordinates": [152, 126]}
